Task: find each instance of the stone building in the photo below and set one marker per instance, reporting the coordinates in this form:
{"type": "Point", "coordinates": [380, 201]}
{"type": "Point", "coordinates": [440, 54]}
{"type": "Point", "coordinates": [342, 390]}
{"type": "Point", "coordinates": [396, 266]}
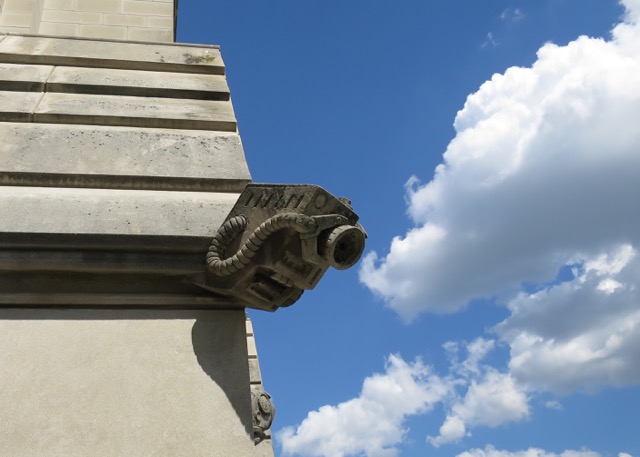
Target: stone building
{"type": "Point", "coordinates": [132, 239]}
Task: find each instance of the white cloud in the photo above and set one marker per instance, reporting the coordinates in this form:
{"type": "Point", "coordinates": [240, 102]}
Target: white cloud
{"type": "Point", "coordinates": [544, 166]}
{"type": "Point", "coordinates": [577, 335]}
{"type": "Point", "coordinates": [371, 424]}
{"type": "Point", "coordinates": [554, 404]}
{"type": "Point", "coordinates": [473, 394]}
{"type": "Point", "coordinates": [490, 40]}
{"type": "Point", "coordinates": [512, 15]}
{"type": "Point", "coordinates": [452, 430]}
{"type": "Point", "coordinates": [624, 454]}
{"type": "Point", "coordinates": [543, 174]}
{"type": "Point", "coordinates": [493, 400]}
{"type": "Point", "coordinates": [491, 451]}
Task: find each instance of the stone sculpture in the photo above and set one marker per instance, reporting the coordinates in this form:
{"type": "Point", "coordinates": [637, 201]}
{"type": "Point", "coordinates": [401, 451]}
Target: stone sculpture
{"type": "Point", "coordinates": [279, 240]}
{"type": "Point", "coordinates": [263, 412]}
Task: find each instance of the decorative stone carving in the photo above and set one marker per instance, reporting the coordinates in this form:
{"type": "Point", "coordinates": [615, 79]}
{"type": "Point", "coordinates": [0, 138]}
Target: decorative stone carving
{"type": "Point", "coordinates": [279, 240]}
{"type": "Point", "coordinates": [263, 411]}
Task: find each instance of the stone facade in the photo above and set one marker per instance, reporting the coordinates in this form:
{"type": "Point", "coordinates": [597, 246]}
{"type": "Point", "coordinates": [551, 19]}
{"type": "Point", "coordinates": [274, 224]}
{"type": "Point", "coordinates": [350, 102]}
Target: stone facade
{"type": "Point", "coordinates": [87, 382]}
{"type": "Point", "coordinates": [119, 160]}
{"type": "Point", "coordinates": [134, 20]}
{"type": "Point", "coordinates": [132, 239]}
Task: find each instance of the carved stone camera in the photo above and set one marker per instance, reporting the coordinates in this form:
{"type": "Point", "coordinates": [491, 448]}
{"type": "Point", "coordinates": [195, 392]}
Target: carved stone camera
{"type": "Point", "coordinates": [279, 240]}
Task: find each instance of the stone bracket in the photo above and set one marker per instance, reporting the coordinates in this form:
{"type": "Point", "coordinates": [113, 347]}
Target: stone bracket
{"type": "Point", "coordinates": [279, 240]}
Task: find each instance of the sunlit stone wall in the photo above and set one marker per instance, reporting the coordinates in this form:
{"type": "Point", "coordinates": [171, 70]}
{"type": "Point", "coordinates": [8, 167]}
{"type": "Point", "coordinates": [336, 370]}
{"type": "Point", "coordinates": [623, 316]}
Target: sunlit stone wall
{"type": "Point", "coordinates": [135, 20]}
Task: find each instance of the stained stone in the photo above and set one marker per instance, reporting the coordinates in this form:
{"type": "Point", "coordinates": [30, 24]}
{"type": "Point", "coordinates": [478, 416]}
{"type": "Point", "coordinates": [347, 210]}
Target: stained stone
{"type": "Point", "coordinates": [111, 54]}
{"type": "Point", "coordinates": [121, 157]}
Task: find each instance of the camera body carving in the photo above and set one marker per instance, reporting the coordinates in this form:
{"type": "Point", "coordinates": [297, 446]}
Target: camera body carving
{"type": "Point", "coordinates": [279, 240]}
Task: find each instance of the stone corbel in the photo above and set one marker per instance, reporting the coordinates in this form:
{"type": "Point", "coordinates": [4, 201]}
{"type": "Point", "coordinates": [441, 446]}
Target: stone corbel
{"type": "Point", "coordinates": [279, 240]}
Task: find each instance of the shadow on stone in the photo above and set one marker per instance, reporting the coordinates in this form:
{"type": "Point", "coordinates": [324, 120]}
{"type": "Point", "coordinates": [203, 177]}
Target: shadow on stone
{"type": "Point", "coordinates": [220, 347]}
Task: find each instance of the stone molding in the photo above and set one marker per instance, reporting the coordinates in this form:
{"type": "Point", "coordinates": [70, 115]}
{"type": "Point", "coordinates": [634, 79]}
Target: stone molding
{"type": "Point", "coordinates": [118, 162]}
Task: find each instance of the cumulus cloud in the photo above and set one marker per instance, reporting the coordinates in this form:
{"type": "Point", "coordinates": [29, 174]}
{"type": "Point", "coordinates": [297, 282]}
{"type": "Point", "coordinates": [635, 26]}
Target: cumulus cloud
{"type": "Point", "coordinates": [593, 339]}
{"type": "Point", "coordinates": [542, 176]}
{"type": "Point", "coordinates": [544, 167]}
{"type": "Point", "coordinates": [492, 398]}
{"type": "Point", "coordinates": [371, 424]}
{"type": "Point", "coordinates": [491, 451]}
{"type": "Point", "coordinates": [471, 392]}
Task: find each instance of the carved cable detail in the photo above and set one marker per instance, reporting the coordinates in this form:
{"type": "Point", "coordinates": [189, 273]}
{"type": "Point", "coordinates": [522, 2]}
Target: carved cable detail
{"type": "Point", "coordinates": [234, 226]}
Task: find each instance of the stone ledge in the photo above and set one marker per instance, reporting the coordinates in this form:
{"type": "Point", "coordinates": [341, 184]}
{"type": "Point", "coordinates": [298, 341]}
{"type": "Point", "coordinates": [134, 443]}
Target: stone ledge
{"type": "Point", "coordinates": [112, 212]}
{"type": "Point", "coordinates": [154, 159]}
{"type": "Point", "coordinates": [96, 53]}
{"type": "Point", "coordinates": [135, 112]}
{"type": "Point", "coordinates": [136, 83]}
{"type": "Point", "coordinates": [18, 107]}
{"type": "Point", "coordinates": [25, 78]}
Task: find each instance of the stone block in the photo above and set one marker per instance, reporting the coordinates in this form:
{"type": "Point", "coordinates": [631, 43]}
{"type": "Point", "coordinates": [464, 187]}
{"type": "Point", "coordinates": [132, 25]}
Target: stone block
{"type": "Point", "coordinates": [60, 4]}
{"type": "Point", "coordinates": [127, 382]}
{"type": "Point", "coordinates": [19, 6]}
{"type": "Point", "coordinates": [136, 112]}
{"type": "Point", "coordinates": [150, 34]}
{"type": "Point", "coordinates": [252, 351]}
{"type": "Point", "coordinates": [72, 17]}
{"type": "Point", "coordinates": [125, 19]}
{"type": "Point", "coordinates": [16, 19]}
{"type": "Point", "coordinates": [58, 29]}
{"type": "Point", "coordinates": [147, 8]}
{"type": "Point", "coordinates": [139, 83]}
{"type": "Point", "coordinates": [26, 78]}
{"type": "Point", "coordinates": [160, 22]}
{"type": "Point", "coordinates": [12, 29]}
{"type": "Point", "coordinates": [104, 212]}
{"type": "Point", "coordinates": [103, 31]}
{"type": "Point", "coordinates": [107, 54]}
{"type": "Point", "coordinates": [254, 372]}
{"type": "Point", "coordinates": [101, 6]}
{"type": "Point", "coordinates": [121, 157]}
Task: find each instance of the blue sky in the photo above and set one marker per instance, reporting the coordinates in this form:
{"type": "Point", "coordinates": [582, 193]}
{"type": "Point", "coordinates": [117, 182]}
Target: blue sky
{"type": "Point", "coordinates": [495, 312]}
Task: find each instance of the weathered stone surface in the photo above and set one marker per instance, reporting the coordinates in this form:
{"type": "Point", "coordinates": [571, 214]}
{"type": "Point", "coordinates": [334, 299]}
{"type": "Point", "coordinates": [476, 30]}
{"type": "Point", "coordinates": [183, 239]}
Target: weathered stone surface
{"type": "Point", "coordinates": [111, 54]}
{"type": "Point", "coordinates": [136, 112]}
{"type": "Point", "coordinates": [278, 241]}
{"type": "Point", "coordinates": [252, 351]}
{"type": "Point", "coordinates": [127, 382]}
{"type": "Point", "coordinates": [121, 157]}
{"type": "Point", "coordinates": [254, 371]}
{"type": "Point", "coordinates": [26, 78]}
{"type": "Point", "coordinates": [140, 83]}
{"type": "Point", "coordinates": [18, 106]}
{"type": "Point", "coordinates": [31, 210]}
